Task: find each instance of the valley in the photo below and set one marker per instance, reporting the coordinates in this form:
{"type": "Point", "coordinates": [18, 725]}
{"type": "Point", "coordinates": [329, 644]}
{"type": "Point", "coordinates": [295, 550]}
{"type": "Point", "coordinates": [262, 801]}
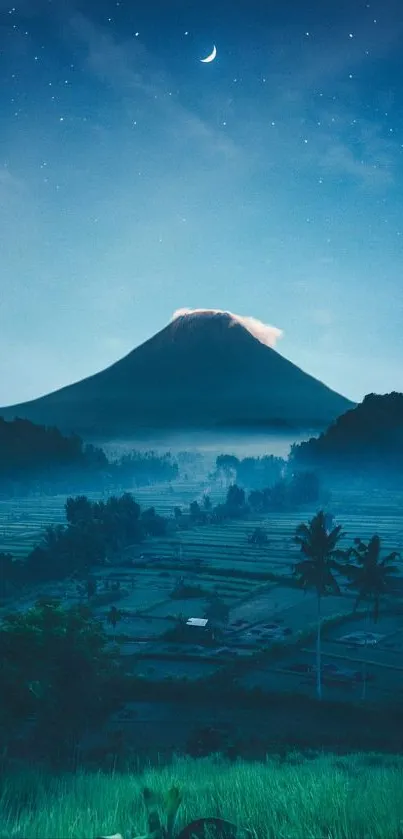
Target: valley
{"type": "Point", "coordinates": [265, 640]}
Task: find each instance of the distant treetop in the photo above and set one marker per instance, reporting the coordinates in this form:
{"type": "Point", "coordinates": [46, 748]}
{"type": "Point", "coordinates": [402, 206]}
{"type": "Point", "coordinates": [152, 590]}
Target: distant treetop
{"type": "Point", "coordinates": [366, 442]}
{"type": "Point", "coordinates": [37, 458]}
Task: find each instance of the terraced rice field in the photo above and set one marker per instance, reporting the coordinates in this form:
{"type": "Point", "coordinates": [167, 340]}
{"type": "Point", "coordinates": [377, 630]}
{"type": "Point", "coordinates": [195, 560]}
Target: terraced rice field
{"type": "Point", "coordinates": [342, 665]}
{"type": "Point", "coordinates": [378, 503]}
{"type": "Point", "coordinates": [222, 546]}
{"type": "Point", "coordinates": [181, 493]}
{"type": "Point", "coordinates": [23, 520]}
{"type": "Point", "coordinates": [153, 586]}
{"type": "Point", "coordinates": [220, 550]}
{"type": "Point", "coordinates": [226, 546]}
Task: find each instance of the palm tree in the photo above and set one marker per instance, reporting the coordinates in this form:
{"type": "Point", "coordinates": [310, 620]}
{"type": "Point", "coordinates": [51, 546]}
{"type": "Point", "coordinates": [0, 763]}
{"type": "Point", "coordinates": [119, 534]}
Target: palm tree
{"type": "Point", "coordinates": [370, 577]}
{"type": "Point", "coordinates": [207, 503]}
{"type": "Point", "coordinates": [217, 614]}
{"type": "Point", "coordinates": [7, 567]}
{"type": "Point", "coordinates": [113, 617]}
{"type": "Point", "coordinates": [316, 571]}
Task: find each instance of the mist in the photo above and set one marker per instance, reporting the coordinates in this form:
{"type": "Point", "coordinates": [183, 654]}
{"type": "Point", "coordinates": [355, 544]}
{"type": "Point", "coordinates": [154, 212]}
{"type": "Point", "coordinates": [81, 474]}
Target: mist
{"type": "Point", "coordinates": [213, 443]}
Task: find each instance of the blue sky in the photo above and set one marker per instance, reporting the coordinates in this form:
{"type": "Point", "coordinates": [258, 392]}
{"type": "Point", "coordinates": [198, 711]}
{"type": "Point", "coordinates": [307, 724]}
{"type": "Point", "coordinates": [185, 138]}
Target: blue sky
{"type": "Point", "coordinates": [136, 180]}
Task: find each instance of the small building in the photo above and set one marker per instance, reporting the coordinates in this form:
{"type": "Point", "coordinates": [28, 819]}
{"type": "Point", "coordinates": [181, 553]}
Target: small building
{"type": "Point", "coordinates": [200, 622]}
{"type": "Point", "coordinates": [198, 630]}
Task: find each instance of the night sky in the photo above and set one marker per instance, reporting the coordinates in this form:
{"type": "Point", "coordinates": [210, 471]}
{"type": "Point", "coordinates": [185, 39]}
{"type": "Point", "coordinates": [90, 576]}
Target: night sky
{"type": "Point", "coordinates": [136, 180]}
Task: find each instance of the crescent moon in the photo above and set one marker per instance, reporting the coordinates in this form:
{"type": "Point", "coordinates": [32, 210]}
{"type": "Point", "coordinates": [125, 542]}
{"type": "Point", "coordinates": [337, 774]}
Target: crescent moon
{"type": "Point", "coordinates": [210, 57]}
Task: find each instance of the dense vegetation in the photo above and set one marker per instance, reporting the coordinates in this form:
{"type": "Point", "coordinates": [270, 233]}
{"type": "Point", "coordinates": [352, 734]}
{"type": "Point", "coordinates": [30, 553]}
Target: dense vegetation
{"type": "Point", "coordinates": [364, 445]}
{"type": "Point", "coordinates": [142, 469]}
{"type": "Point", "coordinates": [287, 493]}
{"type": "Point", "coordinates": [35, 459]}
{"type": "Point", "coordinates": [96, 532]}
{"type": "Point", "coordinates": [58, 678]}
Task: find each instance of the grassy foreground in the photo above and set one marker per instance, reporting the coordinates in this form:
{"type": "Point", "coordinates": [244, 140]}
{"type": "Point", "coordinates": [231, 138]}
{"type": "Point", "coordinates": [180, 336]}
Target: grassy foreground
{"type": "Point", "coordinates": [331, 797]}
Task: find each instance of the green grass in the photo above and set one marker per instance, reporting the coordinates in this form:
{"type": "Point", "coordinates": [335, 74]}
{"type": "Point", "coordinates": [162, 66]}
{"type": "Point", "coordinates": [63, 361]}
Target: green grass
{"type": "Point", "coordinates": [334, 797]}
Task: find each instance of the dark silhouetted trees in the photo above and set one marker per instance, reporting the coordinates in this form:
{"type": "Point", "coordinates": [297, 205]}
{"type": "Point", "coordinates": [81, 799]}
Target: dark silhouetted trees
{"type": "Point", "coordinates": [95, 531]}
{"type": "Point", "coordinates": [195, 511]}
{"type": "Point", "coordinates": [207, 505]}
{"type": "Point", "coordinates": [364, 445]}
{"type": "Point", "coordinates": [153, 524]}
{"type": "Point", "coordinates": [227, 464]}
{"type": "Point", "coordinates": [11, 574]}
{"type": "Point", "coordinates": [37, 459]}
{"type": "Point", "coordinates": [236, 502]}
{"type": "Point", "coordinates": [317, 570]}
{"type": "Point", "coordinates": [34, 458]}
{"type": "Point", "coordinates": [217, 612]}
{"type": "Point", "coordinates": [304, 488]}
{"type": "Point", "coordinates": [57, 673]}
{"type": "Point", "coordinates": [371, 576]}
{"type": "Point", "coordinates": [143, 468]}
{"type": "Point", "coordinates": [287, 494]}
{"type": "Point", "coordinates": [79, 510]}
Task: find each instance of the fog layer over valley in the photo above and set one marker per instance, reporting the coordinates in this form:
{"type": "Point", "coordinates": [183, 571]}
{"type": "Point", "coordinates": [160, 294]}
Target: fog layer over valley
{"type": "Point", "coordinates": [211, 444]}
{"type": "Point", "coordinates": [190, 572]}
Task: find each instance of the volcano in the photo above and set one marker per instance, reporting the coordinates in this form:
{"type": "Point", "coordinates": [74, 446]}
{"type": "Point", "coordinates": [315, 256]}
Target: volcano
{"type": "Point", "coordinates": [202, 371]}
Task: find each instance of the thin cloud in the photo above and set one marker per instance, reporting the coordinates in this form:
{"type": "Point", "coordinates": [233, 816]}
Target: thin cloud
{"type": "Point", "coordinates": [340, 159]}
{"type": "Point", "coordinates": [342, 47]}
{"type": "Point", "coordinates": [130, 68]}
{"type": "Point", "coordinates": [13, 192]}
{"type": "Point", "coordinates": [136, 74]}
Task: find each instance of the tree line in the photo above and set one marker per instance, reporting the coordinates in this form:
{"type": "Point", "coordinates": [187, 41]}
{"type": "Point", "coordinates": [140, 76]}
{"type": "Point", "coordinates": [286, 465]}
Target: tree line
{"type": "Point", "coordinates": [37, 459]}
{"type": "Point", "coordinates": [96, 531]}
{"type": "Point", "coordinates": [298, 489]}
{"type": "Point", "coordinates": [256, 472]}
{"type": "Point", "coordinates": [364, 445]}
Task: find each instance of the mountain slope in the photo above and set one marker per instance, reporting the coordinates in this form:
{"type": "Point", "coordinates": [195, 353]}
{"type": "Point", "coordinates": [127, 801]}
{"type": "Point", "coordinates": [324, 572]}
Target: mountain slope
{"type": "Point", "coordinates": [364, 441]}
{"type": "Point", "coordinates": [200, 371]}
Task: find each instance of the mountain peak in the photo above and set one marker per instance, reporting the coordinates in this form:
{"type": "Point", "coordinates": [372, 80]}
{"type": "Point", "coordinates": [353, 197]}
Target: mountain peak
{"type": "Point", "coordinates": [221, 319]}
{"type": "Point", "coordinates": [203, 320]}
{"type": "Point", "coordinates": [207, 368]}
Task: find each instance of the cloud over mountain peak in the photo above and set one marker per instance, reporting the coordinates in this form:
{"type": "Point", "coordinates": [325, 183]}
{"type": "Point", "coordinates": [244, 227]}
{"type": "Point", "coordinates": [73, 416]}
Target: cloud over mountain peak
{"type": "Point", "coordinates": [266, 334]}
